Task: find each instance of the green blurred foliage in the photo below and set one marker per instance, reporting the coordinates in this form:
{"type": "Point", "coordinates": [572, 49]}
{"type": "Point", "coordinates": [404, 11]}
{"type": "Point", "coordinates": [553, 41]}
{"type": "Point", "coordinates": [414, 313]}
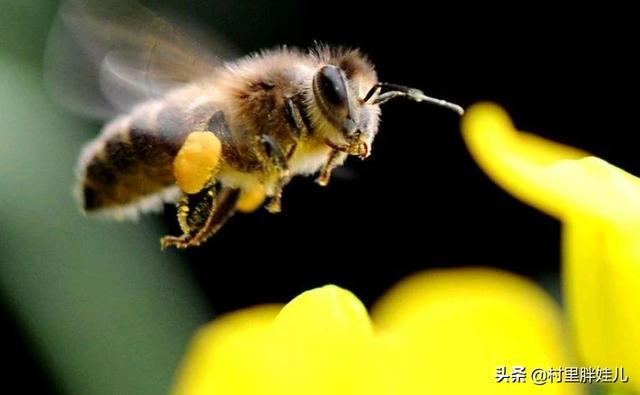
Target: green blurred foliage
{"type": "Point", "coordinates": [106, 311]}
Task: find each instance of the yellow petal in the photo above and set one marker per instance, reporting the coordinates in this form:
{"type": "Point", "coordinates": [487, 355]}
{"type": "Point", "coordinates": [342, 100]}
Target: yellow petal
{"type": "Point", "coordinates": [319, 343]}
{"type": "Point", "coordinates": [624, 249]}
{"type": "Point", "coordinates": [599, 205]}
{"type": "Point", "coordinates": [229, 356]}
{"type": "Point", "coordinates": [440, 332]}
{"type": "Point", "coordinates": [326, 340]}
{"type": "Point", "coordinates": [601, 270]}
{"type": "Point", "coordinates": [515, 160]}
{"type": "Point", "coordinates": [595, 188]}
{"type": "Point", "coordinates": [450, 329]}
{"type": "Point", "coordinates": [556, 178]}
{"type": "Point", "coordinates": [196, 161]}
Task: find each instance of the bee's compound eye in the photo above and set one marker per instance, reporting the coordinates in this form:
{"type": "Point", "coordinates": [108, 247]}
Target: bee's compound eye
{"type": "Point", "coordinates": [332, 86]}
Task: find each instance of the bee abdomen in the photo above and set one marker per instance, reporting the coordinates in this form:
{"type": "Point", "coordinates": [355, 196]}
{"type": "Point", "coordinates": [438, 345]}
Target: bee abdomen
{"type": "Point", "coordinates": [130, 160]}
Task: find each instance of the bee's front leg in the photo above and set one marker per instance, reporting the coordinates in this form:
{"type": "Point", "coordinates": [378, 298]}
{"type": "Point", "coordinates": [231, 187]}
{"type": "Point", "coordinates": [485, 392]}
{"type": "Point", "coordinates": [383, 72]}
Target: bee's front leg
{"type": "Point", "coordinates": [202, 214]}
{"type": "Point", "coordinates": [274, 157]}
{"type": "Point", "coordinates": [338, 154]}
{"type": "Point", "coordinates": [295, 119]}
{"type": "Point", "coordinates": [336, 158]}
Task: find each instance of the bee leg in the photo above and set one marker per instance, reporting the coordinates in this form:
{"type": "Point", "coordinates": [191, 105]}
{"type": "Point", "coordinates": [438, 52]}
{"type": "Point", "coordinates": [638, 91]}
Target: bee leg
{"type": "Point", "coordinates": [295, 119]}
{"type": "Point", "coordinates": [297, 125]}
{"type": "Point", "coordinates": [275, 203]}
{"type": "Point", "coordinates": [338, 154]}
{"type": "Point", "coordinates": [193, 211]}
{"type": "Point", "coordinates": [356, 147]}
{"type": "Point", "coordinates": [274, 155]}
{"type": "Point", "coordinates": [201, 215]}
{"type": "Point", "coordinates": [336, 157]}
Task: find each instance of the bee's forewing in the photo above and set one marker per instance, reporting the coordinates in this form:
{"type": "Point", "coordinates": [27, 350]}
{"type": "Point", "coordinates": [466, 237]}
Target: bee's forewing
{"type": "Point", "coordinates": [104, 57]}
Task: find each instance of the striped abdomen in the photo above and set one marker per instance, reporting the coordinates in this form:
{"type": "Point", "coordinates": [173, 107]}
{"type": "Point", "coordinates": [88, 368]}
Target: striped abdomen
{"type": "Point", "coordinates": [133, 157]}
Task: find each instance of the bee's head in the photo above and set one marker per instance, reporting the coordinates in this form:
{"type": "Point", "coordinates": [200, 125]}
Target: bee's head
{"type": "Point", "coordinates": [339, 100]}
{"type": "Point", "coordinates": [346, 98]}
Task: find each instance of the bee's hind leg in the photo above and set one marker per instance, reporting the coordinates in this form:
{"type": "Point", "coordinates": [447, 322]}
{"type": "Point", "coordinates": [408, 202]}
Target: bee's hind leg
{"type": "Point", "coordinates": [201, 215]}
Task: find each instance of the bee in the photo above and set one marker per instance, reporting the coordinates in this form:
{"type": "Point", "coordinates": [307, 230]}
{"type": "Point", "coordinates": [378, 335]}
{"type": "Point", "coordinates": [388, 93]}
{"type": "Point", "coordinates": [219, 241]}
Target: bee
{"type": "Point", "coordinates": [215, 136]}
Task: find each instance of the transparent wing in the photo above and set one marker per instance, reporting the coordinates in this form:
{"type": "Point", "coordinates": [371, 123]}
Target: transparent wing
{"type": "Point", "coordinates": [104, 57]}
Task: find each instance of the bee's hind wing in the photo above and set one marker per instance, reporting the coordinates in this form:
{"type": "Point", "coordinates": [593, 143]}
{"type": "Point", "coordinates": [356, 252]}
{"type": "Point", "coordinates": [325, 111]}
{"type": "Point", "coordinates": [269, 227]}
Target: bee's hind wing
{"type": "Point", "coordinates": [102, 58]}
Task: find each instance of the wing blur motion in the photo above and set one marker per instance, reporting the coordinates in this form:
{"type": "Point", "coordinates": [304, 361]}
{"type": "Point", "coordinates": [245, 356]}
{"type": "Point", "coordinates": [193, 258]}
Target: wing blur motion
{"type": "Point", "coordinates": [102, 58]}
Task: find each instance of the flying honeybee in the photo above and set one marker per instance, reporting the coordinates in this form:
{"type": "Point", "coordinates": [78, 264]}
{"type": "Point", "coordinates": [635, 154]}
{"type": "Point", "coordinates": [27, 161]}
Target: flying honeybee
{"type": "Point", "coordinates": [213, 136]}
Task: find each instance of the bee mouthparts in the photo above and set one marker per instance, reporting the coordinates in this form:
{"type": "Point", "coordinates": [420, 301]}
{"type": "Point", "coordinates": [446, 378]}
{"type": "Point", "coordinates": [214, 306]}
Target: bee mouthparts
{"type": "Point", "coordinates": [349, 127]}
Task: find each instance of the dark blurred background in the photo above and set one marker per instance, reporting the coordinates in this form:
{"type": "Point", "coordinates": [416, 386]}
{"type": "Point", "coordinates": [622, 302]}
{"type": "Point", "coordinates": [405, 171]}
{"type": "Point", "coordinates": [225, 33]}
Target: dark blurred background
{"type": "Point", "coordinates": [76, 291]}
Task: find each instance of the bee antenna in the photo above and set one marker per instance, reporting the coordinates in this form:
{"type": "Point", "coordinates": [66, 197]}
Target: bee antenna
{"type": "Point", "coordinates": [394, 90]}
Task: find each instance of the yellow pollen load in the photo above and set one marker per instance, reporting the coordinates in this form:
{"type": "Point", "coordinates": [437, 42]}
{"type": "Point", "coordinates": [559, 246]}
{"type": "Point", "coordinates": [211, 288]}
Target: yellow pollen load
{"type": "Point", "coordinates": [196, 161]}
{"type": "Point", "coordinates": [251, 198]}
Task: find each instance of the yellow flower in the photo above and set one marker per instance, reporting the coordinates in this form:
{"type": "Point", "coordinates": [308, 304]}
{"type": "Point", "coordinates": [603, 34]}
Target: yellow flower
{"type": "Point", "coordinates": [599, 206]}
{"type": "Point", "coordinates": [439, 332]}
